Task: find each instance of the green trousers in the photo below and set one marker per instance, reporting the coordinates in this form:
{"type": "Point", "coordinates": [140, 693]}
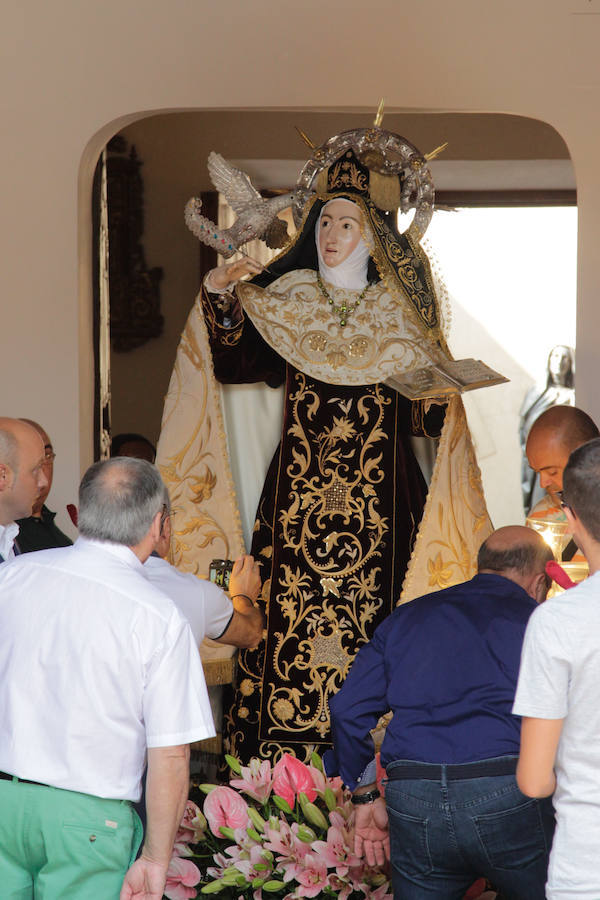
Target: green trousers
{"type": "Point", "coordinates": [61, 845]}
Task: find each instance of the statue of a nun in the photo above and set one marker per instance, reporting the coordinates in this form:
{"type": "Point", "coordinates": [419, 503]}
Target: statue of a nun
{"type": "Point", "coordinates": [349, 302]}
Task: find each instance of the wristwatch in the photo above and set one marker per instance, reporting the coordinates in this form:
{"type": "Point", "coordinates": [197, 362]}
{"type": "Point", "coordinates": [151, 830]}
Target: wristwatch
{"type": "Point", "coordinates": [359, 799]}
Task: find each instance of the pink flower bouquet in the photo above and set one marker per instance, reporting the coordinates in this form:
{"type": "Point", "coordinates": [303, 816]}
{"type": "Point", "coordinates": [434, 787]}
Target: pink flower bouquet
{"type": "Point", "coordinates": [283, 831]}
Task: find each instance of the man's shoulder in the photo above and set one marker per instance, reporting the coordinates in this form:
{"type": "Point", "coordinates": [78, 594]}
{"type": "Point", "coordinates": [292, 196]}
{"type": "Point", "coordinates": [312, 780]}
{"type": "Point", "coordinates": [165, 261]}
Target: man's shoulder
{"type": "Point", "coordinates": [53, 557]}
{"type": "Point", "coordinates": [160, 572]}
{"type": "Point", "coordinates": [481, 584]}
{"type": "Point", "coordinates": [91, 566]}
{"type": "Point", "coordinates": [488, 586]}
{"type": "Point", "coordinates": [577, 604]}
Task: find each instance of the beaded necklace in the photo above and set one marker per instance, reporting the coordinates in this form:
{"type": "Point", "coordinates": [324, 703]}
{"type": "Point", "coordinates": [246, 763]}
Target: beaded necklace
{"type": "Point", "coordinates": [345, 309]}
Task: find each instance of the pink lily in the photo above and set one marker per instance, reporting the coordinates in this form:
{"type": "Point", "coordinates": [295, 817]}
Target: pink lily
{"type": "Point", "coordinates": [255, 781]}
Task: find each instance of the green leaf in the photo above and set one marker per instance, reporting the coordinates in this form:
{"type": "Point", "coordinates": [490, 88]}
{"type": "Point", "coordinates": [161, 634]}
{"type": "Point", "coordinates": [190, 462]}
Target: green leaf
{"type": "Point", "coordinates": [317, 761]}
{"type": "Point", "coordinates": [272, 886]}
{"type": "Point", "coordinates": [258, 882]}
{"type": "Point", "coordinates": [207, 788]}
{"type": "Point", "coordinates": [262, 867]}
{"type": "Point", "coordinates": [233, 764]}
{"type": "Point", "coordinates": [227, 832]}
{"type": "Point", "coordinates": [281, 804]}
{"type": "Point", "coordinates": [267, 854]}
{"type": "Point", "coordinates": [329, 798]}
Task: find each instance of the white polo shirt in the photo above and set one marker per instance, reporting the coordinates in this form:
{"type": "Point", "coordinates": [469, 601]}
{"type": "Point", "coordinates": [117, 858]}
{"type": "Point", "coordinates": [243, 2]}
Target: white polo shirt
{"type": "Point", "coordinates": [96, 665]}
{"type": "Point", "coordinates": [205, 605]}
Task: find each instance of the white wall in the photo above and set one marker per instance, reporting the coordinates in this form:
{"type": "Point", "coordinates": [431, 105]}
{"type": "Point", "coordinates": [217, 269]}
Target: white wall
{"type": "Point", "coordinates": [73, 73]}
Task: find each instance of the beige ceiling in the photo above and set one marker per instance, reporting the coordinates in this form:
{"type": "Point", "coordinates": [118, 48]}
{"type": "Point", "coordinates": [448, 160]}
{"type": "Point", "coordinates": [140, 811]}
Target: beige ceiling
{"type": "Point", "coordinates": [248, 134]}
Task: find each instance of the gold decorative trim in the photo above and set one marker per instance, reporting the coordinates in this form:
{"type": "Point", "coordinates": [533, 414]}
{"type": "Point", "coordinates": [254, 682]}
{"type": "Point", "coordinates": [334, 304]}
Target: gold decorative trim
{"type": "Point", "coordinates": [193, 460]}
{"type": "Point", "coordinates": [219, 671]}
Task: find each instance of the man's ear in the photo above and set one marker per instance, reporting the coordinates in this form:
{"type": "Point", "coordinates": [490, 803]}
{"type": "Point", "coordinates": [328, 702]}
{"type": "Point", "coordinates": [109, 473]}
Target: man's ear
{"type": "Point", "coordinates": [541, 587]}
{"type": "Point", "coordinates": [5, 479]}
{"type": "Point", "coordinates": [536, 586]}
{"type": "Point", "coordinates": [155, 527]}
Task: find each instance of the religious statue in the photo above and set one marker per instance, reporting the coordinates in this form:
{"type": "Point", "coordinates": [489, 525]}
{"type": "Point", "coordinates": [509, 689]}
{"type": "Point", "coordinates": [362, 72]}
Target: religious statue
{"type": "Point", "coordinates": [348, 303]}
{"type": "Point", "coordinates": [559, 391]}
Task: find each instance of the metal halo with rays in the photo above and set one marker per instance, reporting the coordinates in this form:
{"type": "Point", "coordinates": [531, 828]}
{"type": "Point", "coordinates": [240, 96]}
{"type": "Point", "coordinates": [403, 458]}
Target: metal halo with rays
{"type": "Point", "coordinates": [383, 152]}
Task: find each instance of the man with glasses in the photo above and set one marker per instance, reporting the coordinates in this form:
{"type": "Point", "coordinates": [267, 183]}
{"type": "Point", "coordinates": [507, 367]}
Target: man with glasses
{"type": "Point", "coordinates": [22, 479]}
{"type": "Point", "coordinates": [39, 530]}
{"type": "Point", "coordinates": [205, 605]}
{"type": "Point", "coordinates": [558, 696]}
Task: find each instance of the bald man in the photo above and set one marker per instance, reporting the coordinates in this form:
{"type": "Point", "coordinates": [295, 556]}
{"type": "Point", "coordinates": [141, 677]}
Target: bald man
{"type": "Point", "coordinates": [22, 478]}
{"type": "Point", "coordinates": [446, 665]}
{"type": "Point", "coordinates": [39, 530]}
{"type": "Point", "coordinates": [550, 442]}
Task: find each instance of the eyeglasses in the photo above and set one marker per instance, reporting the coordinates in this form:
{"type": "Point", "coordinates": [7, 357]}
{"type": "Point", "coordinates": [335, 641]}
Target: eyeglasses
{"type": "Point", "coordinates": [164, 516]}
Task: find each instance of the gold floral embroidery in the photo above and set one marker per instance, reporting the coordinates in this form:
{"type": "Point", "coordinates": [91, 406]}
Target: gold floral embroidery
{"type": "Point", "coordinates": [347, 174]}
{"type": "Point", "coordinates": [247, 687]}
{"type": "Point", "coordinates": [440, 574]}
{"type": "Point", "coordinates": [333, 526]}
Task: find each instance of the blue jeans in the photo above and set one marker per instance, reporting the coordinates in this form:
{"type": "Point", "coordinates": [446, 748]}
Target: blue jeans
{"type": "Point", "coordinates": [444, 834]}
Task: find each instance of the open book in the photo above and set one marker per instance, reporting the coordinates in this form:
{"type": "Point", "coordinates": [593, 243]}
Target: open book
{"type": "Point", "coordinates": [445, 379]}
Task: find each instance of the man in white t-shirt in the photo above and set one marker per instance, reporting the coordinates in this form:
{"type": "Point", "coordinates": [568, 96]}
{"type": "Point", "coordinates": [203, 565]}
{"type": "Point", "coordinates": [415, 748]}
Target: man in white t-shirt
{"type": "Point", "coordinates": [558, 695]}
{"type": "Point", "coordinates": [205, 605]}
{"type": "Point", "coordinates": [99, 670]}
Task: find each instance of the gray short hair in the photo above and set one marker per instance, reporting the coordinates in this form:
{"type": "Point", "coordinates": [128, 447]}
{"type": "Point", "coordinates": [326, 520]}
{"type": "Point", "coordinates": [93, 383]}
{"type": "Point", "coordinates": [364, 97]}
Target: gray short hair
{"type": "Point", "coordinates": [9, 449]}
{"type": "Point", "coordinates": [581, 485]}
{"type": "Point", "coordinates": [119, 498]}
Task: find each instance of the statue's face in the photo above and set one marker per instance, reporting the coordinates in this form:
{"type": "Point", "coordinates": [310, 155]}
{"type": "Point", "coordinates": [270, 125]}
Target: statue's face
{"type": "Point", "coordinates": [339, 231]}
{"type": "Point", "coordinates": [559, 363]}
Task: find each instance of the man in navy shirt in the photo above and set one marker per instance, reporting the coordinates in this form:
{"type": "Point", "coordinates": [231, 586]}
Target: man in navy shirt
{"type": "Point", "coordinates": [446, 665]}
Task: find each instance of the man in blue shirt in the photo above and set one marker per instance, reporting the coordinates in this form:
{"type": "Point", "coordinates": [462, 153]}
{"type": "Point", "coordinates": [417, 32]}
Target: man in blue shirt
{"type": "Point", "coordinates": [446, 665]}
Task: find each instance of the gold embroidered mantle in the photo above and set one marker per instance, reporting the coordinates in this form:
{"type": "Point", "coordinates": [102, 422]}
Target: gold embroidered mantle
{"type": "Point", "coordinates": [296, 319]}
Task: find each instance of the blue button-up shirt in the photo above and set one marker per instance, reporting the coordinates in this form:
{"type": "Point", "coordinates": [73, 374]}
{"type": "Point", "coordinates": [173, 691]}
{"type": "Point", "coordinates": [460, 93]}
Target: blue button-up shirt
{"type": "Point", "coordinates": [446, 665]}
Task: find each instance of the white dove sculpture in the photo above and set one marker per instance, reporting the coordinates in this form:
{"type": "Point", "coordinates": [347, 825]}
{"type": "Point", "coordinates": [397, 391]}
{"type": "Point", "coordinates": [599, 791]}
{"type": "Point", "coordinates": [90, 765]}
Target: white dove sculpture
{"type": "Point", "coordinates": [256, 217]}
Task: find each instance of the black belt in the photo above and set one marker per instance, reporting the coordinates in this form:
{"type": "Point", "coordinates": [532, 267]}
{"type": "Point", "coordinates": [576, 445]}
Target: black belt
{"type": "Point", "coordinates": [4, 776]}
{"type": "Point", "coordinates": [486, 768]}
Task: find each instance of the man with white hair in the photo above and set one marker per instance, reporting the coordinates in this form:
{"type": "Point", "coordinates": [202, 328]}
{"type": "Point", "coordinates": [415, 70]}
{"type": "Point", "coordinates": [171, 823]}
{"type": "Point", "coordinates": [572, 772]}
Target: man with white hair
{"type": "Point", "coordinates": [22, 478]}
{"type": "Point", "coordinates": [109, 675]}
